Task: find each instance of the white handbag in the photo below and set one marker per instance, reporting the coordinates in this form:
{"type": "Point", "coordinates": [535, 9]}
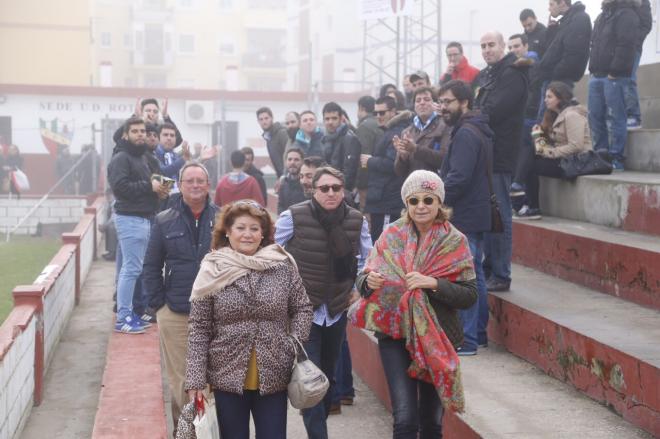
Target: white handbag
{"type": "Point", "coordinates": [308, 383]}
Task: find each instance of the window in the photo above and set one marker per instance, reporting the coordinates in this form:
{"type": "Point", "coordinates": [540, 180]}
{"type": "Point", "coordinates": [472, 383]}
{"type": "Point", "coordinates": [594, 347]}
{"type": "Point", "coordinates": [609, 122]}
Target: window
{"type": "Point", "coordinates": [226, 46]}
{"type": "Point", "coordinates": [186, 43]}
{"type": "Point", "coordinates": [128, 41]}
{"type": "Point", "coordinates": [106, 39]}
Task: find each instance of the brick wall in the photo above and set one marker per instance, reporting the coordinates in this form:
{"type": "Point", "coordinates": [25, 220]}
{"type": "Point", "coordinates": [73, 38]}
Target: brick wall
{"type": "Point", "coordinates": [53, 211]}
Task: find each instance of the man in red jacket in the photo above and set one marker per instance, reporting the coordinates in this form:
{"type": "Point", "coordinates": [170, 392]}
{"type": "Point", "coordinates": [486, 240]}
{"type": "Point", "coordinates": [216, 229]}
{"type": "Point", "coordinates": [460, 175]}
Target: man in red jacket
{"type": "Point", "coordinates": [237, 185]}
{"type": "Point", "coordinates": [459, 67]}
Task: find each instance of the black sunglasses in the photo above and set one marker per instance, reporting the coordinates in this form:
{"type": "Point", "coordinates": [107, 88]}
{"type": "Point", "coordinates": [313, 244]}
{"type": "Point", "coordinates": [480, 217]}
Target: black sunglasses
{"type": "Point", "coordinates": [326, 187]}
{"type": "Point", "coordinates": [414, 201]}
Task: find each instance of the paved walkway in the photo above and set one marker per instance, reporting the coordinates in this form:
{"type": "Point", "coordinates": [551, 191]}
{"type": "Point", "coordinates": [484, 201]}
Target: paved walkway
{"type": "Point", "coordinates": [73, 382]}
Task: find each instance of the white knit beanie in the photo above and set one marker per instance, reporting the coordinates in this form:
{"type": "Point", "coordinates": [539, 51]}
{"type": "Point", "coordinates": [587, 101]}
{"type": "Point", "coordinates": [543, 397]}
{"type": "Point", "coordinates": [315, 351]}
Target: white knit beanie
{"type": "Point", "coordinates": [423, 181]}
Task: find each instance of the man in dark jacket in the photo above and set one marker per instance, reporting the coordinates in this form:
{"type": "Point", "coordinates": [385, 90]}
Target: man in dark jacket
{"type": "Point", "coordinates": [467, 191]}
{"type": "Point", "coordinates": [309, 137]}
{"type": "Point", "coordinates": [136, 201]}
{"type": "Point", "coordinates": [534, 31]}
{"type": "Point", "coordinates": [424, 143]}
{"type": "Point", "coordinates": [276, 138]}
{"type": "Point", "coordinates": [291, 191]}
{"type": "Point", "coordinates": [341, 148]}
{"type": "Point", "coordinates": [502, 97]}
{"type": "Point", "coordinates": [613, 47]}
{"type": "Point", "coordinates": [369, 134]}
{"type": "Point", "coordinates": [252, 171]}
{"type": "Point", "coordinates": [567, 46]}
{"type": "Point", "coordinates": [383, 202]}
{"type": "Point", "coordinates": [180, 237]}
{"type": "Point", "coordinates": [633, 112]}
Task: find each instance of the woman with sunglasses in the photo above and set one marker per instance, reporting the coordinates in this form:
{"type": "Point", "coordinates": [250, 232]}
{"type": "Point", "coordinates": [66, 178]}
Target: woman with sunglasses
{"type": "Point", "coordinates": [420, 267]}
{"type": "Point", "coordinates": [247, 301]}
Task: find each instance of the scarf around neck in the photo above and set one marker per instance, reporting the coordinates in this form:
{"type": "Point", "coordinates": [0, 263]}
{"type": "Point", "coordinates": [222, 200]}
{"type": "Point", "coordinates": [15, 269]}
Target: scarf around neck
{"type": "Point", "coordinates": [403, 314]}
{"type": "Point", "coordinates": [344, 261]}
{"type": "Point", "coordinates": [225, 266]}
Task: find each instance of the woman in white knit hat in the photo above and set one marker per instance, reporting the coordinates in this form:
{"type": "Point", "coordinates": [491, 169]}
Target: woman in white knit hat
{"type": "Point", "coordinates": [419, 273]}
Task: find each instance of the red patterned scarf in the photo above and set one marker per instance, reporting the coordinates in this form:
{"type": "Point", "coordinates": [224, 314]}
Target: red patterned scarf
{"type": "Point", "coordinates": [399, 313]}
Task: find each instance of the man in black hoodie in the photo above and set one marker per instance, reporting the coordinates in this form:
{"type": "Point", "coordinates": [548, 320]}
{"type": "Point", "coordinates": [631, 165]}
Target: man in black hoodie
{"type": "Point", "coordinates": [612, 59]}
{"type": "Point", "coordinates": [136, 202]}
{"type": "Point", "coordinates": [567, 46]}
{"type": "Point", "coordinates": [502, 95]}
{"type": "Point", "coordinates": [534, 31]}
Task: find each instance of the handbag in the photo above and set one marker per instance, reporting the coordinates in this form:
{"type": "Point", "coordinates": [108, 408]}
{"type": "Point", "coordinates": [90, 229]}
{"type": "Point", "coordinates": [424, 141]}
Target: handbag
{"type": "Point", "coordinates": [20, 180]}
{"type": "Point", "coordinates": [584, 163]}
{"type": "Point", "coordinates": [193, 426]}
{"type": "Point", "coordinates": [308, 383]}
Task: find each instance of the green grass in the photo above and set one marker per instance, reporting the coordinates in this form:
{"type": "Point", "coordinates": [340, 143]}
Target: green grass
{"type": "Point", "coordinates": [21, 261]}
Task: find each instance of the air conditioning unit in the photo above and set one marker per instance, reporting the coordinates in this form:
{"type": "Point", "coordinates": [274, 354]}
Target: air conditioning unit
{"type": "Point", "coordinates": [199, 112]}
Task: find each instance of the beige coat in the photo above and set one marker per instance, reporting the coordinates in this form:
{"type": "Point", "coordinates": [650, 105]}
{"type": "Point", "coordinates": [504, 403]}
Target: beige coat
{"type": "Point", "coordinates": [570, 133]}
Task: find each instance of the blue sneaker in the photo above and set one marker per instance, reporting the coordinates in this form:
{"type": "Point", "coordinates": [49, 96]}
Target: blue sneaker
{"type": "Point", "coordinates": [517, 190]}
{"type": "Point", "coordinates": [617, 165]}
{"type": "Point", "coordinates": [129, 325]}
{"type": "Point", "coordinates": [144, 323]}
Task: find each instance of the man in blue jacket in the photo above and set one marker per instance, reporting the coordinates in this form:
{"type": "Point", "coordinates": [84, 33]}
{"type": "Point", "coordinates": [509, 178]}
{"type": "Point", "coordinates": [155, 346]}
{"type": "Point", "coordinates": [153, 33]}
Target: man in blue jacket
{"type": "Point", "coordinates": [384, 185]}
{"type": "Point", "coordinates": [467, 191]}
{"type": "Point", "coordinates": [180, 237]}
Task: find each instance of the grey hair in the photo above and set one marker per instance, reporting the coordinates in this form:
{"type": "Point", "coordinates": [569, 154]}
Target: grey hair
{"type": "Point", "coordinates": [193, 164]}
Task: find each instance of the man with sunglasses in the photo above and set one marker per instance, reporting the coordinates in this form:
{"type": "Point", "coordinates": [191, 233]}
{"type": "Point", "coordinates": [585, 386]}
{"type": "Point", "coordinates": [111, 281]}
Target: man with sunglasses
{"type": "Point", "coordinates": [330, 242]}
{"type": "Point", "coordinates": [383, 201]}
{"type": "Point", "coordinates": [180, 237]}
{"type": "Point", "coordinates": [467, 191]}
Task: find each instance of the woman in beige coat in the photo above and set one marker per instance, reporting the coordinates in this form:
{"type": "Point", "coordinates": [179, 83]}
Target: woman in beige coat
{"type": "Point", "coordinates": [563, 132]}
{"type": "Point", "coordinates": [247, 301]}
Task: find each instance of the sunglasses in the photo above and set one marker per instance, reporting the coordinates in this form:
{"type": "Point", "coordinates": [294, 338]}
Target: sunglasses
{"type": "Point", "coordinates": [326, 188]}
{"type": "Point", "coordinates": [414, 201]}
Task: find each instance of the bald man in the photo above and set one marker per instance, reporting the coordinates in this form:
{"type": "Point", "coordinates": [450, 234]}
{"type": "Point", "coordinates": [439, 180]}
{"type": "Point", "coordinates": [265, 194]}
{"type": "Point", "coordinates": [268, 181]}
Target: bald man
{"type": "Point", "coordinates": [502, 95]}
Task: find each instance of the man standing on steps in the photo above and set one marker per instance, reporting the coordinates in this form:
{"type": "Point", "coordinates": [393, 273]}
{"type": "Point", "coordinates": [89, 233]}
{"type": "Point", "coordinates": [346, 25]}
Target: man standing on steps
{"type": "Point", "coordinates": [502, 96]}
{"type": "Point", "coordinates": [136, 202]}
{"type": "Point", "coordinates": [276, 138]}
{"type": "Point", "coordinates": [330, 242]}
{"type": "Point", "coordinates": [180, 237]}
{"type": "Point", "coordinates": [534, 31]}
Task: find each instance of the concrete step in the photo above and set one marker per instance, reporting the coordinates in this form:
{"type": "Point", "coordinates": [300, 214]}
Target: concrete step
{"type": "Point", "coordinates": [643, 150]}
{"type": "Point", "coordinates": [506, 397]}
{"type": "Point", "coordinates": [604, 346]}
{"type": "Point", "coordinates": [624, 200]}
{"type": "Point", "coordinates": [609, 260]}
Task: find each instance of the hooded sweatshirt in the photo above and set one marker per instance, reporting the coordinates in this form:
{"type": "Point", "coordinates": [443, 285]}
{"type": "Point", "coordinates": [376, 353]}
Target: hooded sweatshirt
{"type": "Point", "coordinates": [237, 186]}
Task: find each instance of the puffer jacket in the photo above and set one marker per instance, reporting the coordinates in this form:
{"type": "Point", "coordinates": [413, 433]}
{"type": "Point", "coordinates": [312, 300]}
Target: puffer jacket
{"type": "Point", "coordinates": [432, 144]}
{"type": "Point", "coordinates": [570, 133]}
{"type": "Point", "coordinates": [567, 46]}
{"type": "Point", "coordinates": [614, 39]}
{"type": "Point", "coordinates": [257, 311]}
{"type": "Point", "coordinates": [178, 243]}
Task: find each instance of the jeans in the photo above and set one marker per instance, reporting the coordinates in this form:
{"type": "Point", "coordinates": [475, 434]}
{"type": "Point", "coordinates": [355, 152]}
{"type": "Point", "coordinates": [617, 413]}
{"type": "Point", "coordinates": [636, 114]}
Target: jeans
{"type": "Point", "coordinates": [630, 93]}
{"type": "Point", "coordinates": [497, 246]}
{"type": "Point", "coordinates": [475, 318]}
{"type": "Point", "coordinates": [607, 115]}
{"type": "Point", "coordinates": [544, 88]}
{"type": "Point", "coordinates": [268, 412]}
{"type": "Point", "coordinates": [379, 221]}
{"type": "Point", "coordinates": [343, 375]}
{"type": "Point", "coordinates": [133, 236]}
{"type": "Point", "coordinates": [416, 405]}
{"type": "Point", "coordinates": [323, 348]}
{"type": "Point", "coordinates": [525, 153]}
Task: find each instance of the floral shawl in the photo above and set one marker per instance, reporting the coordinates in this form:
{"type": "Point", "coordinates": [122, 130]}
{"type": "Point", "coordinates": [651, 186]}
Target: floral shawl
{"type": "Point", "coordinates": [399, 313]}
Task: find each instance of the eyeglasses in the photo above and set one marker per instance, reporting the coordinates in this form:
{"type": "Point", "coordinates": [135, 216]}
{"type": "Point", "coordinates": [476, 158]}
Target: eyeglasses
{"type": "Point", "coordinates": [380, 113]}
{"type": "Point", "coordinates": [199, 181]}
{"type": "Point", "coordinates": [446, 101]}
{"type": "Point", "coordinates": [414, 201]}
{"type": "Point", "coordinates": [326, 187]}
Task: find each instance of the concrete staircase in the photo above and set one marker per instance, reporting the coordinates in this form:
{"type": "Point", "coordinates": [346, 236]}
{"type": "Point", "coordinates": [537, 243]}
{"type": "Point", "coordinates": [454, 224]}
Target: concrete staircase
{"type": "Point", "coordinates": [582, 319]}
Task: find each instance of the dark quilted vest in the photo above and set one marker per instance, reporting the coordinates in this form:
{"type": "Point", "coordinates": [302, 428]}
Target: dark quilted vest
{"type": "Point", "coordinates": [309, 247]}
